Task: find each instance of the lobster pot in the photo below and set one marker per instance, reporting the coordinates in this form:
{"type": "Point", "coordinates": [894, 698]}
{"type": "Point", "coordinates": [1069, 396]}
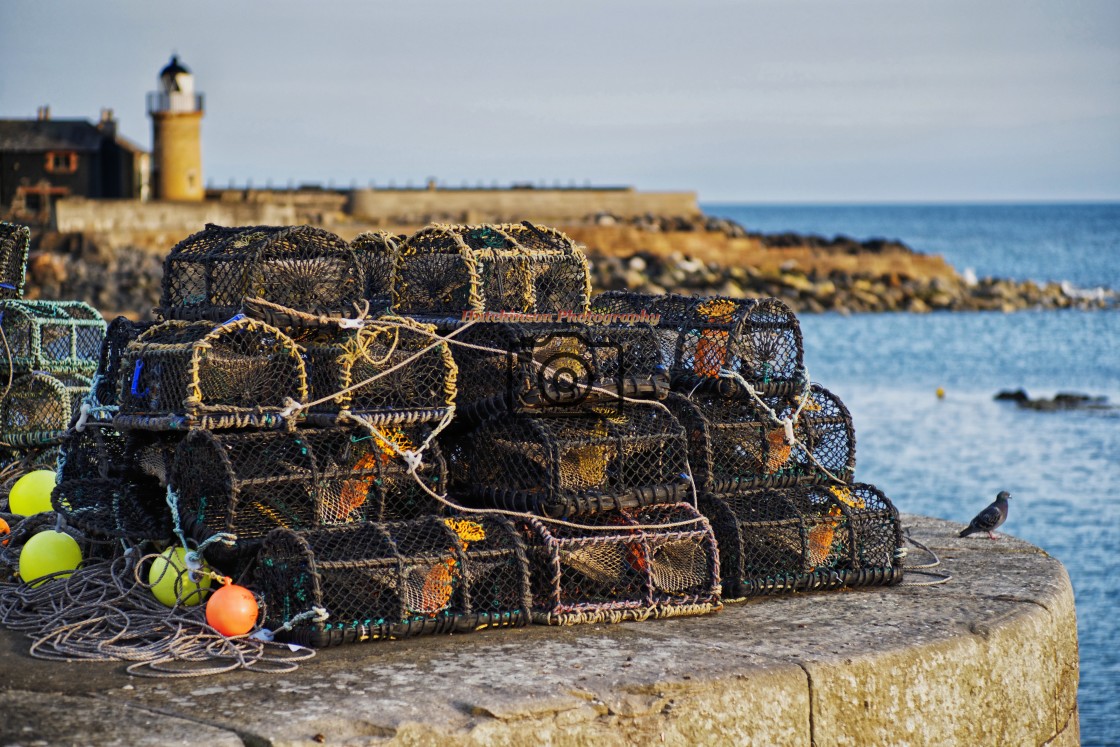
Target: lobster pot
{"type": "Point", "coordinates": [103, 394]}
{"type": "Point", "coordinates": [246, 484]}
{"type": "Point", "coordinates": [58, 337]}
{"type": "Point", "coordinates": [396, 374]}
{"type": "Point", "coordinates": [113, 484]}
{"type": "Point", "coordinates": [774, 540]}
{"type": "Point", "coordinates": [572, 466]}
{"type": "Point", "coordinates": [733, 442]}
{"type": "Point", "coordinates": [394, 580]}
{"type": "Point", "coordinates": [39, 408]}
{"type": "Point", "coordinates": [239, 374]}
{"type": "Point", "coordinates": [616, 574]}
{"type": "Point", "coordinates": [757, 338]}
{"type": "Point", "coordinates": [14, 244]}
{"type": "Point", "coordinates": [446, 270]}
{"type": "Point", "coordinates": [377, 252]}
{"type": "Point", "coordinates": [552, 369]}
{"type": "Point", "coordinates": [210, 274]}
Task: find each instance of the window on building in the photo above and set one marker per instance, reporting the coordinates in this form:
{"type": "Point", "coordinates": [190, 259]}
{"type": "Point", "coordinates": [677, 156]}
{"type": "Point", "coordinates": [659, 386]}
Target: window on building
{"type": "Point", "coordinates": [61, 162]}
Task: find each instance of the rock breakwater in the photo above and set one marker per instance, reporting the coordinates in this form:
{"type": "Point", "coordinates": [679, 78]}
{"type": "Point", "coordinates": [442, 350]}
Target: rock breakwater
{"type": "Point", "coordinates": [705, 255]}
{"type": "Point", "coordinates": [837, 289]}
{"type": "Point", "coordinates": [694, 255]}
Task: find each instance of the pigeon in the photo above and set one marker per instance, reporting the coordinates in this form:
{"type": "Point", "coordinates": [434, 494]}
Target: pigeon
{"type": "Point", "coordinates": [990, 518]}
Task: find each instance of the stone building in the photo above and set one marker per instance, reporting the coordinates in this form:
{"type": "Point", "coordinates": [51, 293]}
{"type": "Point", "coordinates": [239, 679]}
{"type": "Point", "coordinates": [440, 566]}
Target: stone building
{"type": "Point", "coordinates": [45, 159]}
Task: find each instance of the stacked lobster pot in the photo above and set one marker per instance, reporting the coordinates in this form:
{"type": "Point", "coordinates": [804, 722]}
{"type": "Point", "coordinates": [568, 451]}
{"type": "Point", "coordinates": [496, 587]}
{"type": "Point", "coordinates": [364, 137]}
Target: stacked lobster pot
{"type": "Point", "coordinates": [50, 351]}
{"type": "Point", "coordinates": [309, 456]}
{"type": "Point", "coordinates": [772, 454]}
{"type": "Point", "coordinates": [266, 398]}
{"type": "Point", "coordinates": [561, 421]}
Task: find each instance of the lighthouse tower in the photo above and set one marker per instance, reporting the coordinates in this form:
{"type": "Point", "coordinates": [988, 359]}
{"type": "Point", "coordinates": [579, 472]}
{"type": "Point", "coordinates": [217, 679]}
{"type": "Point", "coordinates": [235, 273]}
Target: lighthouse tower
{"type": "Point", "coordinates": [176, 112]}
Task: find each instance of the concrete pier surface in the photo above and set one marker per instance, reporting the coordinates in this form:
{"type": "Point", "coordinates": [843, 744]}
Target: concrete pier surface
{"type": "Point", "coordinates": [988, 658]}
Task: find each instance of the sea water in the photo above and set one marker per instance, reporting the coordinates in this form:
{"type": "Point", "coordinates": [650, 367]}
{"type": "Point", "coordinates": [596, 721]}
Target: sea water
{"type": "Point", "coordinates": [949, 457]}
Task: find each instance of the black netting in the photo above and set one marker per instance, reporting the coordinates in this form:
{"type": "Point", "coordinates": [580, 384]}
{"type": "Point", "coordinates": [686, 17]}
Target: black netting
{"type": "Point", "coordinates": [113, 484]}
{"type": "Point", "coordinates": [573, 465]}
{"type": "Point", "coordinates": [210, 274]}
{"type": "Point", "coordinates": [802, 538]}
{"type": "Point", "coordinates": [415, 378]}
{"type": "Point", "coordinates": [758, 338]}
{"type": "Point", "coordinates": [587, 575]}
{"type": "Point", "coordinates": [249, 483]}
{"type": "Point", "coordinates": [103, 396]}
{"type": "Point", "coordinates": [394, 580]}
{"type": "Point", "coordinates": [185, 374]}
{"type": "Point", "coordinates": [14, 244]}
{"type": "Point", "coordinates": [376, 251]}
{"type": "Point", "coordinates": [39, 407]}
{"type": "Point", "coordinates": [553, 368]}
{"type": "Point", "coordinates": [51, 336]}
{"type": "Point", "coordinates": [448, 270]}
{"type": "Point", "coordinates": [734, 443]}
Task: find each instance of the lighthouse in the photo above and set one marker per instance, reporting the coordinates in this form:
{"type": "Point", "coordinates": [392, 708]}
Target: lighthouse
{"type": "Point", "coordinates": [176, 112]}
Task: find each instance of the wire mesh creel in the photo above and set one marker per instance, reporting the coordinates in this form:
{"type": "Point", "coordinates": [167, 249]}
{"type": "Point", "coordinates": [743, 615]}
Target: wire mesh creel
{"type": "Point", "coordinates": [248, 483]}
{"type": "Point", "coordinates": [733, 442]}
{"type": "Point", "coordinates": [393, 371]}
{"type": "Point", "coordinates": [551, 369]}
{"type": "Point", "coordinates": [103, 395]}
{"type": "Point", "coordinates": [58, 337]}
{"type": "Point", "coordinates": [774, 540]}
{"type": "Point", "coordinates": [394, 580]}
{"type": "Point", "coordinates": [596, 576]}
{"type": "Point", "coordinates": [39, 407]}
{"type": "Point", "coordinates": [113, 484]}
{"type": "Point", "coordinates": [758, 338]}
{"type": "Point", "coordinates": [210, 274]}
{"type": "Point", "coordinates": [239, 374]}
{"type": "Point", "coordinates": [451, 269]}
{"type": "Point", "coordinates": [15, 241]}
{"type": "Point", "coordinates": [571, 466]}
{"type": "Point", "coordinates": [377, 253]}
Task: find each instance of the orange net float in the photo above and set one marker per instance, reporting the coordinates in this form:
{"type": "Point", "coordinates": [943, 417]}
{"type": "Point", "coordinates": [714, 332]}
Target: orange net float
{"type": "Point", "coordinates": [232, 610]}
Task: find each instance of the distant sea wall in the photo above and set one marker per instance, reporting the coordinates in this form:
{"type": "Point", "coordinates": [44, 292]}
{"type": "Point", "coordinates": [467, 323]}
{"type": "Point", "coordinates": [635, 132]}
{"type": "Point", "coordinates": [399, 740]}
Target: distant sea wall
{"type": "Point", "coordinates": [159, 225]}
{"type": "Point", "coordinates": [501, 205]}
{"type": "Point", "coordinates": [77, 215]}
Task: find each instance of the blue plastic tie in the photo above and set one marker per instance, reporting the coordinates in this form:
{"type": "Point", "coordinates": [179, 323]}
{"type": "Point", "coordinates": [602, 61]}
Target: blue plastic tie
{"type": "Point", "coordinates": [232, 319]}
{"type": "Point", "coordinates": [136, 370]}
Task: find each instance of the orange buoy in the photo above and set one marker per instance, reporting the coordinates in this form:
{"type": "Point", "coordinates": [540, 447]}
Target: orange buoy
{"type": "Point", "coordinates": [232, 610]}
{"type": "Point", "coordinates": [5, 530]}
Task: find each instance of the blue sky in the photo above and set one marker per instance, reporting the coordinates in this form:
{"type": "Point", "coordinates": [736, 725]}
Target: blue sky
{"type": "Point", "coordinates": [753, 100]}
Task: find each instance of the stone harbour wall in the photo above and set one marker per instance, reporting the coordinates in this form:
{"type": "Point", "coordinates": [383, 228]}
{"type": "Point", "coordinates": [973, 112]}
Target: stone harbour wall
{"type": "Point", "coordinates": [989, 658]}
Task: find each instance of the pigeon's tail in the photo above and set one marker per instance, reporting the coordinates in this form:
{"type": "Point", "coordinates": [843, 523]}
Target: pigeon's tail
{"type": "Point", "coordinates": [967, 531]}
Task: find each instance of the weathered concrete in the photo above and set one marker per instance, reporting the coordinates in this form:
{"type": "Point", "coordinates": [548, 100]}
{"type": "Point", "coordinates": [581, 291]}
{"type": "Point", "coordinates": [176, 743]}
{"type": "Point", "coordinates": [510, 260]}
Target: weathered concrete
{"type": "Point", "coordinates": [989, 658]}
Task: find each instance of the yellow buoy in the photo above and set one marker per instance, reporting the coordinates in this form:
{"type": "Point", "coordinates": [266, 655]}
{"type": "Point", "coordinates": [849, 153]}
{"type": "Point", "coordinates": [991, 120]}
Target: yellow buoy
{"type": "Point", "coordinates": [32, 493]}
{"type": "Point", "coordinates": [46, 553]}
{"type": "Point", "coordinates": [171, 579]}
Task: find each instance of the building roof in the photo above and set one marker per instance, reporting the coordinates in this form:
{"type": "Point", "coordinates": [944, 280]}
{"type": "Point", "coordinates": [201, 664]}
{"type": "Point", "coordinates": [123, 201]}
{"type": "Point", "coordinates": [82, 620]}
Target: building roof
{"type": "Point", "coordinates": [35, 135]}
